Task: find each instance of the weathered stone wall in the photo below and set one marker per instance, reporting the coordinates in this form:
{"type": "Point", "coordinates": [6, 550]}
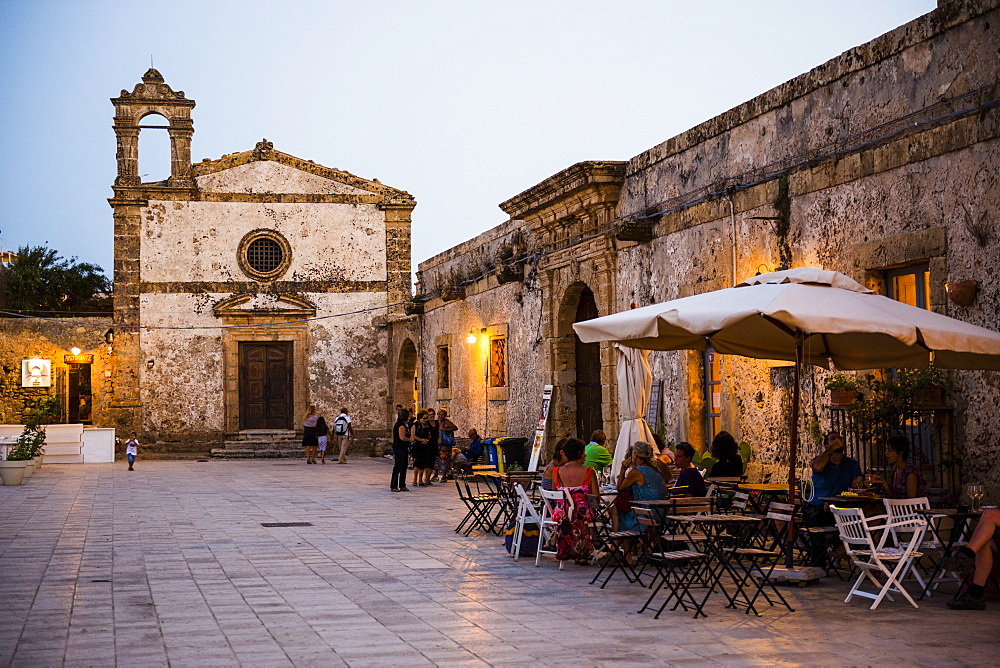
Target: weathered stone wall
{"type": "Point", "coordinates": [185, 242]}
{"type": "Point", "coordinates": [51, 339]}
{"type": "Point", "coordinates": [513, 309]}
{"type": "Point", "coordinates": [524, 279]}
{"type": "Point", "coordinates": [883, 157]}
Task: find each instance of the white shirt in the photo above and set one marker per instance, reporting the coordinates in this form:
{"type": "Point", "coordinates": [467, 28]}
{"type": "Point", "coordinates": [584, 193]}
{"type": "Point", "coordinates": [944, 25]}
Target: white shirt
{"type": "Point", "coordinates": [131, 447]}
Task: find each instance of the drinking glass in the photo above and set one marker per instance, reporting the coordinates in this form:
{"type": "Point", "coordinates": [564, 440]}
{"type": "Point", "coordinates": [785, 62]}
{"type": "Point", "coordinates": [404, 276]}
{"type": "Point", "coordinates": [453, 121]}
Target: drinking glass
{"type": "Point", "coordinates": [975, 492]}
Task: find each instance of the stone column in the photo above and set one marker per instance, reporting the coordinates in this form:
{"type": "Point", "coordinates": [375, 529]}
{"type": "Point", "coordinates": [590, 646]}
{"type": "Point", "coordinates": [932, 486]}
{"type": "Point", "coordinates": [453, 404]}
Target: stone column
{"type": "Point", "coordinates": [128, 153]}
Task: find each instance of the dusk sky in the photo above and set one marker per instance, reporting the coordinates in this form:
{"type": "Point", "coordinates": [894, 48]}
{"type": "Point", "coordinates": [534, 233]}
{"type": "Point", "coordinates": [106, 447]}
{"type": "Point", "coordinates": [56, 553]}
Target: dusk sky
{"type": "Point", "coordinates": [462, 104]}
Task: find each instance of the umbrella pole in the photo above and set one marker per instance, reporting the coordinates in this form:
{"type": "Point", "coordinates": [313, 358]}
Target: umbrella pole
{"type": "Point", "coordinates": [793, 448]}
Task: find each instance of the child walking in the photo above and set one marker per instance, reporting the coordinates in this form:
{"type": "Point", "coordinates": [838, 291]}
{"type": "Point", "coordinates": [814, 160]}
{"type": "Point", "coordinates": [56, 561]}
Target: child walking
{"type": "Point", "coordinates": [322, 437]}
{"type": "Point", "coordinates": [131, 450]}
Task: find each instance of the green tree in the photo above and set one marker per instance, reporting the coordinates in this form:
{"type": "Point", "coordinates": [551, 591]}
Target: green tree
{"type": "Point", "coordinates": [41, 282]}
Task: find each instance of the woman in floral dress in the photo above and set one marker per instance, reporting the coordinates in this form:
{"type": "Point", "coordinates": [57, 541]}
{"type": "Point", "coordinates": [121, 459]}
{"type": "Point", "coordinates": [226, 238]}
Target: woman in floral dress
{"type": "Point", "coordinates": [573, 539]}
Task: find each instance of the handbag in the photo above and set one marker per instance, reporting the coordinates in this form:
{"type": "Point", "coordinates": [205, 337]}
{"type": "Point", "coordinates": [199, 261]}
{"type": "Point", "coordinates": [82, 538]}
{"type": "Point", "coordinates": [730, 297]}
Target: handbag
{"type": "Point", "coordinates": [623, 502]}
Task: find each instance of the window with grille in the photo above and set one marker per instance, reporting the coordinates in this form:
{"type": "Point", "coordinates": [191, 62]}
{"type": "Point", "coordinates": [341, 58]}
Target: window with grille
{"type": "Point", "coordinates": [498, 362]}
{"type": "Point", "coordinates": [264, 255]}
{"type": "Point", "coordinates": [443, 367]}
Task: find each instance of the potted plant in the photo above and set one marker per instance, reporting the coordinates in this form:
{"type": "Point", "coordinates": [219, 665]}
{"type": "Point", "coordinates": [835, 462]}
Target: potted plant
{"type": "Point", "coordinates": [509, 266]}
{"type": "Point", "coordinates": [925, 386]}
{"type": "Point", "coordinates": [12, 469]}
{"type": "Point", "coordinates": [415, 306]}
{"type": "Point", "coordinates": [453, 292]}
{"type": "Point", "coordinates": [843, 389]}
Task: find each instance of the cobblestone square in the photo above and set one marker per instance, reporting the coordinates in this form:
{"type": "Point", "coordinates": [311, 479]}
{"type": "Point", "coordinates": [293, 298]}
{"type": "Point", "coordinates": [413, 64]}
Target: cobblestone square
{"type": "Point", "coordinates": [170, 564]}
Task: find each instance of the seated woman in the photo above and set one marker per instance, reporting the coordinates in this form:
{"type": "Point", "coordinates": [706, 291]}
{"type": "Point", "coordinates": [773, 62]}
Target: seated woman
{"type": "Point", "coordinates": [573, 539]}
{"type": "Point", "coordinates": [727, 451]}
{"type": "Point", "coordinates": [907, 481]}
{"type": "Point", "coordinates": [642, 478]}
{"type": "Point", "coordinates": [557, 460]}
{"type": "Point", "coordinates": [689, 479]}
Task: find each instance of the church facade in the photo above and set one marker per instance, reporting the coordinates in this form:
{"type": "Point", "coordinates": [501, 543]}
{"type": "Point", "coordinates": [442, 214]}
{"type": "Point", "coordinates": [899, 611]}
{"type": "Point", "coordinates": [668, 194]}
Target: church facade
{"type": "Point", "coordinates": [249, 287]}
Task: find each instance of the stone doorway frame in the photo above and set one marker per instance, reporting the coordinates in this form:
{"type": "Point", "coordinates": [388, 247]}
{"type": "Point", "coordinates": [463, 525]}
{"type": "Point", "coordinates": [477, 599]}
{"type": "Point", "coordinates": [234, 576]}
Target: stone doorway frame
{"type": "Point", "coordinates": [277, 324]}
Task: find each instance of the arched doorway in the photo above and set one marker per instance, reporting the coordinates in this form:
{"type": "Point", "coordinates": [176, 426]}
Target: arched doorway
{"type": "Point", "coordinates": [588, 372]}
{"type": "Point", "coordinates": [405, 386]}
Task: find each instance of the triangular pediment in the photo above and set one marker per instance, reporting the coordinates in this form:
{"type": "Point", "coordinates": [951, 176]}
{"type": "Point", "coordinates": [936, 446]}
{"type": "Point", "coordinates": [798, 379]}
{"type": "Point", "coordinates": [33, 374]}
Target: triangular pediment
{"type": "Point", "coordinates": [264, 304]}
{"type": "Point", "coordinates": [265, 170]}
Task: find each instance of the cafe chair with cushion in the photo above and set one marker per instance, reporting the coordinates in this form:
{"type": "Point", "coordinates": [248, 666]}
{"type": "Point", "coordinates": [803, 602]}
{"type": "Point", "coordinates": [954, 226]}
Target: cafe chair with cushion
{"type": "Point", "coordinates": [547, 525]}
{"type": "Point", "coordinates": [866, 543]}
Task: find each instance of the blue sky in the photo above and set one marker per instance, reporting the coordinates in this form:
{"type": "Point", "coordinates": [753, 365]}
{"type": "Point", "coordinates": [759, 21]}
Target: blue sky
{"type": "Point", "coordinates": [463, 104]}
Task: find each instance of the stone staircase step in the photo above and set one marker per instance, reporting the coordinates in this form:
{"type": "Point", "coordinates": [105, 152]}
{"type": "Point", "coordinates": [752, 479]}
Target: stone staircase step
{"type": "Point", "coordinates": [258, 453]}
{"type": "Point", "coordinates": [256, 445]}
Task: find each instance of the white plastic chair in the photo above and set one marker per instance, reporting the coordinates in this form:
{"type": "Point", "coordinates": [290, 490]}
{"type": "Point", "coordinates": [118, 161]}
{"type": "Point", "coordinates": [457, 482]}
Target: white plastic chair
{"type": "Point", "coordinates": [873, 557]}
{"type": "Point", "coordinates": [526, 514]}
{"type": "Point", "coordinates": [547, 526]}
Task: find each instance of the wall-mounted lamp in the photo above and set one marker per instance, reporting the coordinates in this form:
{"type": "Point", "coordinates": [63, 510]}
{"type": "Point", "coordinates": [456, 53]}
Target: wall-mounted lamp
{"type": "Point", "coordinates": [109, 338]}
{"type": "Point", "coordinates": [471, 338]}
{"type": "Point", "coordinates": [961, 293]}
{"type": "Point", "coordinates": [149, 364]}
{"type": "Point", "coordinates": [76, 351]}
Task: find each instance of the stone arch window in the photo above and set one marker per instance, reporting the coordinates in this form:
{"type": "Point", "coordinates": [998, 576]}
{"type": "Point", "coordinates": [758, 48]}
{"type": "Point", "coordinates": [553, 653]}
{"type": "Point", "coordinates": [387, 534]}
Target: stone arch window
{"type": "Point", "coordinates": [154, 148]}
{"type": "Point", "coordinates": [264, 255]}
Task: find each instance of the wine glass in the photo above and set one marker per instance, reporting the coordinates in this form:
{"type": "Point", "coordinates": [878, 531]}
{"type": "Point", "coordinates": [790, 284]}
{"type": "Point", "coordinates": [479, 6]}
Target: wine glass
{"type": "Point", "coordinates": [975, 491]}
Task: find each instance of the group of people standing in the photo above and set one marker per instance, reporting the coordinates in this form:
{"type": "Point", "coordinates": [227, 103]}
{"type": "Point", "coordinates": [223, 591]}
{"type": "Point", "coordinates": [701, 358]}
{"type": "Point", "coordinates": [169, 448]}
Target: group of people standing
{"type": "Point", "coordinates": [316, 435]}
{"type": "Point", "coordinates": [429, 438]}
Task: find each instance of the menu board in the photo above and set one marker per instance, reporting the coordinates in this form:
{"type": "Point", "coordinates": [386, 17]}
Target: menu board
{"type": "Point", "coordinates": [543, 418]}
{"type": "Point", "coordinates": [653, 409]}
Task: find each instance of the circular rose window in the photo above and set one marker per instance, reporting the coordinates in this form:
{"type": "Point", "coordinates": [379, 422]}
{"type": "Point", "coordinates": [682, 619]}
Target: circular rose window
{"type": "Point", "coordinates": [264, 255]}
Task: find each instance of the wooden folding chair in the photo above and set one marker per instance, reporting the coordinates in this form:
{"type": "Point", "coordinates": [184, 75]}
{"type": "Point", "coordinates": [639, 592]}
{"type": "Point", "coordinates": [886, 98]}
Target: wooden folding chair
{"type": "Point", "coordinates": [527, 513]}
{"type": "Point", "coordinates": [873, 557]}
{"type": "Point", "coordinates": [614, 544]}
{"type": "Point", "coordinates": [480, 507]}
{"type": "Point", "coordinates": [906, 509]}
{"type": "Point", "coordinates": [548, 526]}
{"type": "Point", "coordinates": [769, 549]}
{"type": "Point", "coordinates": [677, 570]}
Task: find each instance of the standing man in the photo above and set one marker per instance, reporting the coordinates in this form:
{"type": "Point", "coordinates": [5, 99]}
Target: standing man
{"type": "Point", "coordinates": [342, 430]}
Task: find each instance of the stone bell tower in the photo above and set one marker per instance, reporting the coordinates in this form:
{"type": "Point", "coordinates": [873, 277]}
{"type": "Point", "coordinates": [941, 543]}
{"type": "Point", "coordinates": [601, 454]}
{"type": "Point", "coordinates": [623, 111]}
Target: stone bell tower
{"type": "Point", "coordinates": [153, 96]}
{"type": "Point", "coordinates": [131, 196]}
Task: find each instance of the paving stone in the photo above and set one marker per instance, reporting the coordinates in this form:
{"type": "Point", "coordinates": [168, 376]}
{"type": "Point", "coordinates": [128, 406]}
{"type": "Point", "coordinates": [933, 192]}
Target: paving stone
{"type": "Point", "coordinates": [178, 569]}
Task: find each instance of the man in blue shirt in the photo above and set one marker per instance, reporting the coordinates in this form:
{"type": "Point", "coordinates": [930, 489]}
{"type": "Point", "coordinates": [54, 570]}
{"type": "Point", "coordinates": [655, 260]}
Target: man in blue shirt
{"type": "Point", "coordinates": [833, 474]}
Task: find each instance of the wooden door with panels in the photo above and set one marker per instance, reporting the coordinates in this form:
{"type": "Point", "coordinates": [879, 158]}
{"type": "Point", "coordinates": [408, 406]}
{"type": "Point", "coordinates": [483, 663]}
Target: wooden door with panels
{"type": "Point", "coordinates": [266, 385]}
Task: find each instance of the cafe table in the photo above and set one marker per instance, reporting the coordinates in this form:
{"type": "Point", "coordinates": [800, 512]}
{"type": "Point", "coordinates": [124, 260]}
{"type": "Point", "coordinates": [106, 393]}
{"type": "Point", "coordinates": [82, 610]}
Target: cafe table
{"type": "Point", "coordinates": [961, 531]}
{"type": "Point", "coordinates": [854, 501]}
{"type": "Point", "coordinates": [764, 492]}
{"type": "Point", "coordinates": [721, 535]}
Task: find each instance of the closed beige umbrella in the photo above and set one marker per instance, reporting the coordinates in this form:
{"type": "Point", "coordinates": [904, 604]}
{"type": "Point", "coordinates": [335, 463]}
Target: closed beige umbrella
{"type": "Point", "coordinates": [803, 315]}
{"type": "Point", "coordinates": [635, 380]}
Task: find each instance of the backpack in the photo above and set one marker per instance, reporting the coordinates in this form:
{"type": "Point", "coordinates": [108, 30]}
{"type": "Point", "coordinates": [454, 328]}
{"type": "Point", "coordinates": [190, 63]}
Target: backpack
{"type": "Point", "coordinates": [340, 426]}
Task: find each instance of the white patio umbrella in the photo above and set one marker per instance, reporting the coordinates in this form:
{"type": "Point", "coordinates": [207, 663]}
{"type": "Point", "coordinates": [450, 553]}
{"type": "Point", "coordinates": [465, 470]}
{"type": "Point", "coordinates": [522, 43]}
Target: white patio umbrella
{"type": "Point", "coordinates": [635, 380]}
{"type": "Point", "coordinates": [807, 314]}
